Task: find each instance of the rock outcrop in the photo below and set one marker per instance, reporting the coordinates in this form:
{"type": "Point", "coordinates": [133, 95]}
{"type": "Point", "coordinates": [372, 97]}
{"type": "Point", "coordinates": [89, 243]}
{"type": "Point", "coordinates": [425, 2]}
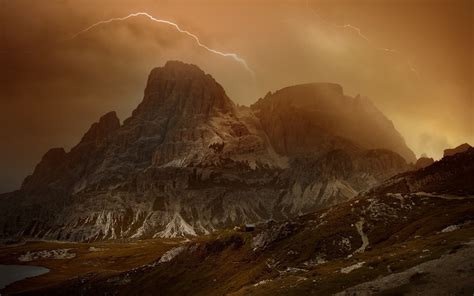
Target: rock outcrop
{"type": "Point", "coordinates": [461, 148]}
{"type": "Point", "coordinates": [451, 175]}
{"type": "Point", "coordinates": [423, 162]}
{"type": "Point", "coordinates": [188, 161]}
{"type": "Point", "coordinates": [386, 242]}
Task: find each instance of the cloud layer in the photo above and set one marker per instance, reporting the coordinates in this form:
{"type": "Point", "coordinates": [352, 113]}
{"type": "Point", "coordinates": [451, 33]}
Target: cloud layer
{"type": "Point", "coordinates": [53, 88]}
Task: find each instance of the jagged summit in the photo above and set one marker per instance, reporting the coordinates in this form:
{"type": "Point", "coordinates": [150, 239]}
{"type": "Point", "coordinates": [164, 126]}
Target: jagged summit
{"type": "Point", "coordinates": [183, 90]}
{"type": "Point", "coordinates": [99, 130]}
{"type": "Point", "coordinates": [179, 68]}
{"type": "Point", "coordinates": [301, 91]}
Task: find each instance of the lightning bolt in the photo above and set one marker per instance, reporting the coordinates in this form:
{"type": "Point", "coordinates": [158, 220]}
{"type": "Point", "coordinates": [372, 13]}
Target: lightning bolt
{"type": "Point", "coordinates": [361, 35]}
{"type": "Point", "coordinates": [234, 56]}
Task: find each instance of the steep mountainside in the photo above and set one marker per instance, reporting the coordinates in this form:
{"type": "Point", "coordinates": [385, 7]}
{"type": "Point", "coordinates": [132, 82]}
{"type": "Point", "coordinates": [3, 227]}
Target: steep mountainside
{"type": "Point", "coordinates": [389, 241]}
{"type": "Point", "coordinates": [314, 118]}
{"type": "Point", "coordinates": [452, 174]}
{"type": "Point", "coordinates": [458, 149]}
{"type": "Point", "coordinates": [423, 162]}
{"type": "Point", "coordinates": [188, 161]}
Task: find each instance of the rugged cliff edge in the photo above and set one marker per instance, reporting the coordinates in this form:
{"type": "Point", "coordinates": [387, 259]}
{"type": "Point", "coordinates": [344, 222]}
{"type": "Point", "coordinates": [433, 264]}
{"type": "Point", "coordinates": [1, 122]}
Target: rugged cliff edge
{"type": "Point", "coordinates": [188, 161]}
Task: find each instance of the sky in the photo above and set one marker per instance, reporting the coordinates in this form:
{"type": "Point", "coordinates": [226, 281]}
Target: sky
{"type": "Point", "coordinates": [413, 59]}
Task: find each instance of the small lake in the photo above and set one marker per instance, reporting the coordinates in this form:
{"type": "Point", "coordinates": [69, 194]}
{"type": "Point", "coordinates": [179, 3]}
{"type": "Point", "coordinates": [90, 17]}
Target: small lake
{"type": "Point", "coordinates": [13, 273]}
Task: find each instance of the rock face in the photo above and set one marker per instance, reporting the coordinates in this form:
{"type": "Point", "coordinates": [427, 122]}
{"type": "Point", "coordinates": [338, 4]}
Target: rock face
{"type": "Point", "coordinates": [423, 162]}
{"type": "Point", "coordinates": [379, 243]}
{"type": "Point", "coordinates": [318, 117]}
{"type": "Point", "coordinates": [461, 148]}
{"type": "Point", "coordinates": [194, 117]}
{"type": "Point", "coordinates": [188, 161]}
{"type": "Point", "coordinates": [451, 175]}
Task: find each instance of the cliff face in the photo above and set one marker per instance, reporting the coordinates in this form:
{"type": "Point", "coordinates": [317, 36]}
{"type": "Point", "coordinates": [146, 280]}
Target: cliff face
{"type": "Point", "coordinates": [379, 242]}
{"type": "Point", "coordinates": [185, 119]}
{"type": "Point", "coordinates": [459, 149]}
{"type": "Point", "coordinates": [453, 174]}
{"type": "Point", "coordinates": [423, 162]}
{"type": "Point", "coordinates": [189, 161]}
{"type": "Point", "coordinates": [315, 118]}
{"type": "Point", "coordinates": [197, 120]}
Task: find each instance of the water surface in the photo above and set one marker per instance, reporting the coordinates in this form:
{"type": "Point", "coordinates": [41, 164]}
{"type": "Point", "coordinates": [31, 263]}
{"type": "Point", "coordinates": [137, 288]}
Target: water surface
{"type": "Point", "coordinates": [13, 273]}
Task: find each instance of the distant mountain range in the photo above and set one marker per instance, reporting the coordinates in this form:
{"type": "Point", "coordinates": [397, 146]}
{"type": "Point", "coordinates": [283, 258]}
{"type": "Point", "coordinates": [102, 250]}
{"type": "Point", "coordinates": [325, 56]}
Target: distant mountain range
{"type": "Point", "coordinates": [189, 161]}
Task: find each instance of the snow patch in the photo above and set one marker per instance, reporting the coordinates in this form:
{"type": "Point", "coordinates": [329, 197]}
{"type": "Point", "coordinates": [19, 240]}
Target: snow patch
{"type": "Point", "coordinates": [317, 261]}
{"type": "Point", "coordinates": [352, 267]}
{"type": "Point", "coordinates": [171, 254]}
{"type": "Point", "coordinates": [292, 270]}
{"type": "Point", "coordinates": [365, 240]}
{"type": "Point", "coordinates": [451, 228]}
{"type": "Point", "coordinates": [94, 249]}
{"type": "Point", "coordinates": [262, 283]}
{"type": "Point", "coordinates": [443, 196]}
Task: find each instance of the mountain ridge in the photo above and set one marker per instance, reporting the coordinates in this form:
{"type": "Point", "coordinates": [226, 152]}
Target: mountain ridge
{"type": "Point", "coordinates": [189, 161]}
{"type": "Point", "coordinates": [392, 240]}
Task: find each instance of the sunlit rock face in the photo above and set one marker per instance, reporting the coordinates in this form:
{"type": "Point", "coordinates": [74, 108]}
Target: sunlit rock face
{"type": "Point", "coordinates": [188, 161]}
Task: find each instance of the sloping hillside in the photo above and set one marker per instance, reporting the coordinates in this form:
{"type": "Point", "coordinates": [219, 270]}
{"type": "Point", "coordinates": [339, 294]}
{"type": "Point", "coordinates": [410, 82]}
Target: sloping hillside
{"type": "Point", "coordinates": [385, 242]}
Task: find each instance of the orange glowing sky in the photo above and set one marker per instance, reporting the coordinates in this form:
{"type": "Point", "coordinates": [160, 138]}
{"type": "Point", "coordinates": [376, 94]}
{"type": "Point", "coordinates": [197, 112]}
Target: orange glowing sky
{"type": "Point", "coordinates": [53, 88]}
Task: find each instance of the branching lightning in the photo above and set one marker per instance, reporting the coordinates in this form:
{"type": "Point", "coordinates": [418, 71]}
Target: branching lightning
{"type": "Point", "coordinates": [234, 56]}
{"type": "Point", "coordinates": [361, 35]}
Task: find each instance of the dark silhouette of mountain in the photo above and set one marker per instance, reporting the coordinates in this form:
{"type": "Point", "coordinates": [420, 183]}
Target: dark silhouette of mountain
{"type": "Point", "coordinates": [451, 175]}
{"type": "Point", "coordinates": [458, 149]}
{"type": "Point", "coordinates": [423, 162]}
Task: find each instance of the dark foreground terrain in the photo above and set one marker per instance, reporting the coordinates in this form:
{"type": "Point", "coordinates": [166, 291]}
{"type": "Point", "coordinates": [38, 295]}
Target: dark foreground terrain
{"type": "Point", "coordinates": [394, 239]}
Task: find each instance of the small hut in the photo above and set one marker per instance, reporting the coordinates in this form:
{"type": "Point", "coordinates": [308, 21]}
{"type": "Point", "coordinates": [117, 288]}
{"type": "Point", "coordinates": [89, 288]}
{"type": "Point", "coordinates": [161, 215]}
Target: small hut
{"type": "Point", "coordinates": [249, 227]}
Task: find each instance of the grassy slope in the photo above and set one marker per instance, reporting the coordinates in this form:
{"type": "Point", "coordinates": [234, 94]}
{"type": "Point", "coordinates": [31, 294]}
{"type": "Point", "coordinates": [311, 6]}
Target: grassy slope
{"type": "Point", "coordinates": [403, 230]}
{"type": "Point", "coordinates": [226, 262]}
{"type": "Point", "coordinates": [112, 258]}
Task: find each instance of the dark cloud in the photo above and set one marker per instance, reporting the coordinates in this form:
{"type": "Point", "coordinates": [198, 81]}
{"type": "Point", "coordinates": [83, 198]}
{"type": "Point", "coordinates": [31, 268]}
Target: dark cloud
{"type": "Point", "coordinates": [52, 88]}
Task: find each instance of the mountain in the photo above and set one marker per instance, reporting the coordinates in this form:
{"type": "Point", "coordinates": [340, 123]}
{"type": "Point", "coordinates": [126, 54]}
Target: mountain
{"type": "Point", "coordinates": [391, 240]}
{"type": "Point", "coordinates": [458, 149]}
{"type": "Point", "coordinates": [423, 162]}
{"type": "Point", "coordinates": [451, 175]}
{"type": "Point", "coordinates": [189, 161]}
{"type": "Point", "coordinates": [317, 117]}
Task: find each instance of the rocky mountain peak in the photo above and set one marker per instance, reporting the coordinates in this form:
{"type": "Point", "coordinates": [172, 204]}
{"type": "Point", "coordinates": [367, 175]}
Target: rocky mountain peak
{"type": "Point", "coordinates": [423, 162]}
{"type": "Point", "coordinates": [54, 155]}
{"type": "Point", "coordinates": [303, 94]}
{"type": "Point", "coordinates": [107, 124]}
{"type": "Point", "coordinates": [182, 89]}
